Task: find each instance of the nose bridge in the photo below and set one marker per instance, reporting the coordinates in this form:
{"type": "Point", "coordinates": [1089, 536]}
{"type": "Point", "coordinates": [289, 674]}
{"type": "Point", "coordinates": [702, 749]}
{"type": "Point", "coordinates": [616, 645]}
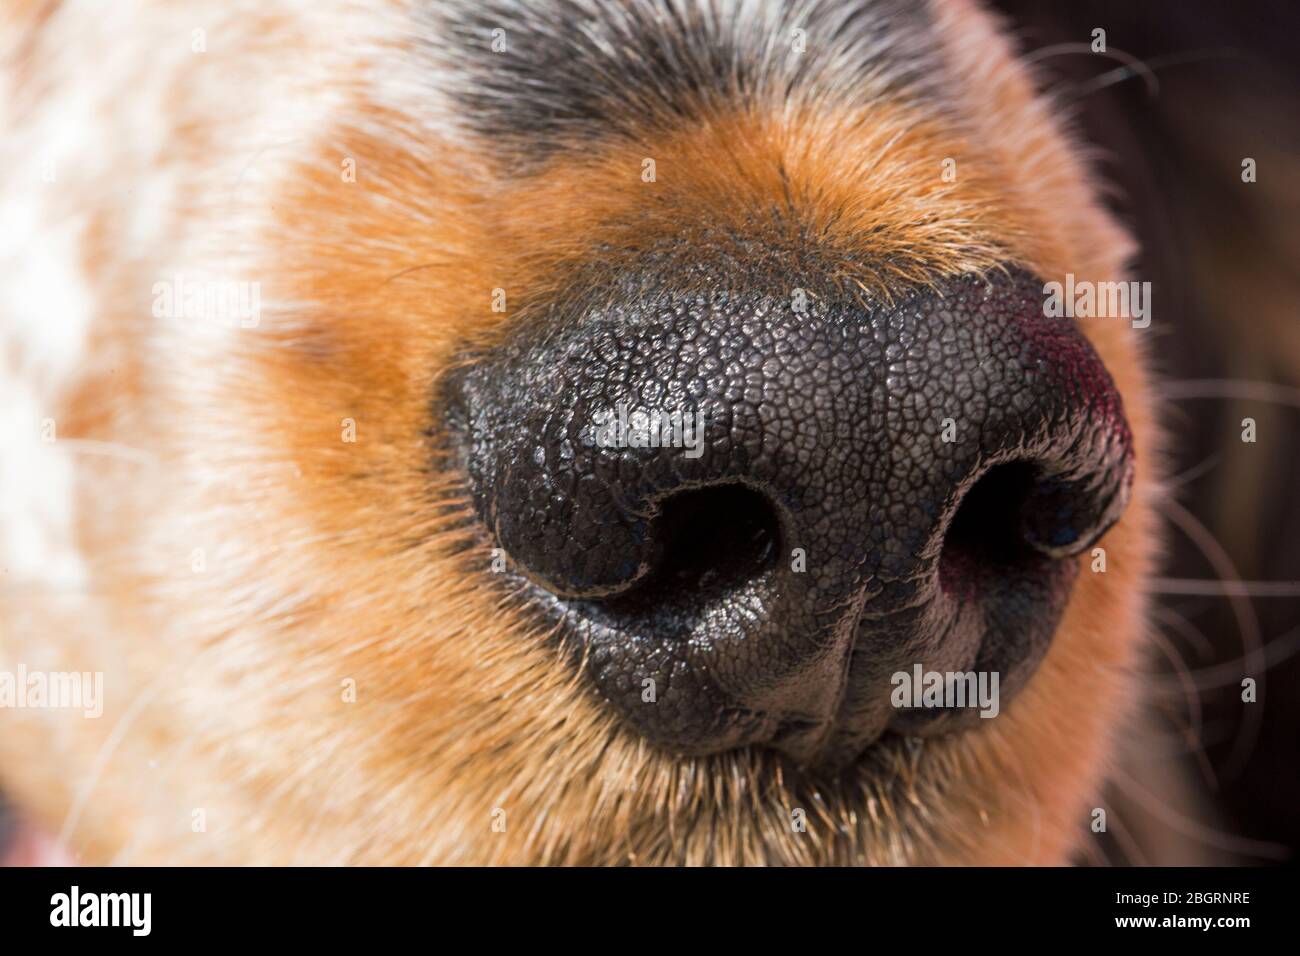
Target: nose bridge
{"type": "Point", "coordinates": [851, 433]}
{"type": "Point", "coordinates": [868, 423]}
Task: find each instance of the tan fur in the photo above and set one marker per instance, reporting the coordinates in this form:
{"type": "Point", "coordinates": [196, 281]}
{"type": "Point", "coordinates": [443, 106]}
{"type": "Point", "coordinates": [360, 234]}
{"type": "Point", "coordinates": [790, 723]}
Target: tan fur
{"type": "Point", "coordinates": [327, 561]}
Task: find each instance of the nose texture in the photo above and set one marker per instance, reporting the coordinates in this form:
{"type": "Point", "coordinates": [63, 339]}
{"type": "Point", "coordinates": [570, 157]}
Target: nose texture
{"type": "Point", "coordinates": [747, 513]}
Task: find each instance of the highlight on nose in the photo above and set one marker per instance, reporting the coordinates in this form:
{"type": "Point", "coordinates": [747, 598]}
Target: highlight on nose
{"type": "Point", "coordinates": [748, 512]}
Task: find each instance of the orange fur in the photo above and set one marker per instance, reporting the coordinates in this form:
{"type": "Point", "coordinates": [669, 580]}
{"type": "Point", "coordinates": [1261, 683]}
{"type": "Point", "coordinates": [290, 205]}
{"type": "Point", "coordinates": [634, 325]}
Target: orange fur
{"type": "Point", "coordinates": [327, 561]}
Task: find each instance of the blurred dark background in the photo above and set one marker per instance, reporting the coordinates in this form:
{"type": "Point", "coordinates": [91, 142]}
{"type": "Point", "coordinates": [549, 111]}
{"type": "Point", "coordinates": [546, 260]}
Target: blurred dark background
{"type": "Point", "coordinates": [1186, 92]}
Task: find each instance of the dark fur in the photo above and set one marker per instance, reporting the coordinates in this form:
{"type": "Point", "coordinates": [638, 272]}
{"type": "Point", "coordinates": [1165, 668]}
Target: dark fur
{"type": "Point", "coordinates": [575, 72]}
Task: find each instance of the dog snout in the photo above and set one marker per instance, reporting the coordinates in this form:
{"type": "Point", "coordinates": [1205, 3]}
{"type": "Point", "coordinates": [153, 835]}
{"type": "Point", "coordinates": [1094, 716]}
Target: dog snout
{"type": "Point", "coordinates": [748, 510]}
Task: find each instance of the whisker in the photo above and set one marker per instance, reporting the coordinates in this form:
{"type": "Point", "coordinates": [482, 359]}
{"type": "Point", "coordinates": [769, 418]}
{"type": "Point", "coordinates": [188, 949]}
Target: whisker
{"type": "Point", "coordinates": [1158, 745]}
{"type": "Point", "coordinates": [1192, 734]}
{"type": "Point", "coordinates": [1196, 471]}
{"type": "Point", "coordinates": [1244, 389]}
{"type": "Point", "coordinates": [1193, 635]}
{"type": "Point", "coordinates": [1128, 59]}
{"type": "Point", "coordinates": [106, 449]}
{"type": "Point", "coordinates": [85, 788]}
{"type": "Point", "coordinates": [1209, 588]}
{"type": "Point", "coordinates": [1190, 741]}
{"type": "Point", "coordinates": [1095, 855]}
{"type": "Point", "coordinates": [1275, 651]}
{"type": "Point", "coordinates": [1133, 854]}
{"type": "Point", "coordinates": [1120, 74]}
{"type": "Point", "coordinates": [1247, 625]}
{"type": "Point", "coordinates": [1189, 827]}
{"type": "Point", "coordinates": [411, 269]}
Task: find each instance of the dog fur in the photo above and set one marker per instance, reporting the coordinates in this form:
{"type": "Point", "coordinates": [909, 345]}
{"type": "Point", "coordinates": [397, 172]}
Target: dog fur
{"type": "Point", "coordinates": [201, 533]}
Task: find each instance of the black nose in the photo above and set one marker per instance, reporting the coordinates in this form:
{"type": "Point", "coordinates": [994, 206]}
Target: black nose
{"type": "Point", "coordinates": [749, 512]}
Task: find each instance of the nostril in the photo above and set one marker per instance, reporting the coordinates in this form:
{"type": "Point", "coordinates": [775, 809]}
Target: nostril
{"type": "Point", "coordinates": [1016, 514]}
{"type": "Point", "coordinates": [984, 536]}
{"type": "Point", "coordinates": [710, 540]}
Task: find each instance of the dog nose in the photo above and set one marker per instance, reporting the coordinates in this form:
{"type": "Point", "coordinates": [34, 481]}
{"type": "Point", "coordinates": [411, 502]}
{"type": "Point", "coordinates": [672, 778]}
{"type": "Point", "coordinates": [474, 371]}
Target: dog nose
{"type": "Point", "coordinates": [747, 512]}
